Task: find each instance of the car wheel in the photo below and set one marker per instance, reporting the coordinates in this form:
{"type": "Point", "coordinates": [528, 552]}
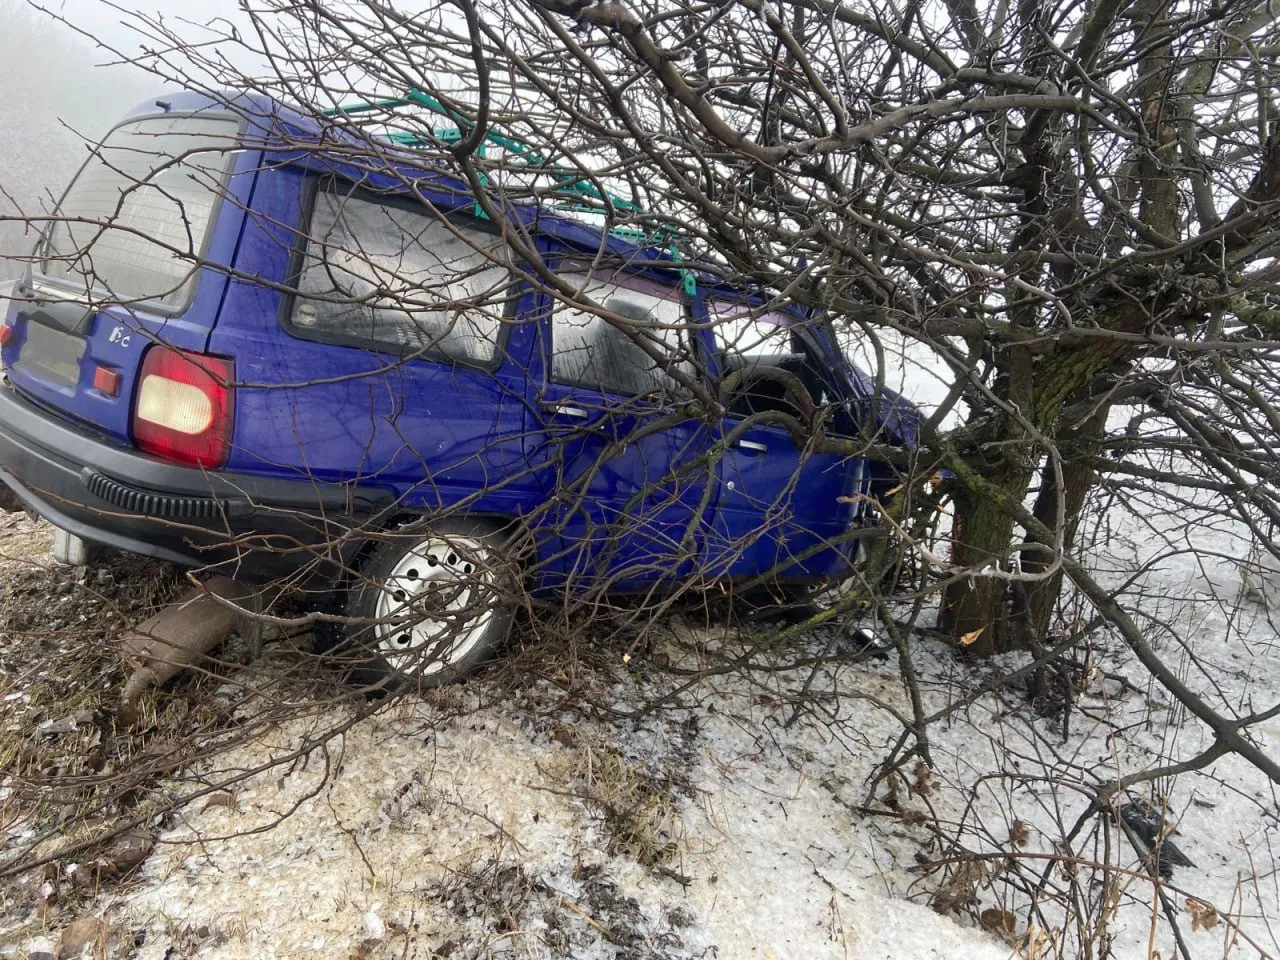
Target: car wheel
{"type": "Point", "coordinates": [427, 606]}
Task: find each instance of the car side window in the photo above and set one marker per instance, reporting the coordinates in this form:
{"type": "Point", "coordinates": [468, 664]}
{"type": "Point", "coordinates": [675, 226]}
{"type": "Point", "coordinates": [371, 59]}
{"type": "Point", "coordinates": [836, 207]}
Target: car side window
{"type": "Point", "coordinates": [741, 331]}
{"type": "Point", "coordinates": [590, 351]}
{"type": "Point", "coordinates": [388, 275]}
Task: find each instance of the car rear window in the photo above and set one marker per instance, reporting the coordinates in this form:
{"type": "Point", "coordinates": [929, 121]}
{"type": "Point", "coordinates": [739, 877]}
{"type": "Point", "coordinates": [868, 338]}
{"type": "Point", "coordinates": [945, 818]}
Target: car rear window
{"type": "Point", "coordinates": [133, 224]}
{"type": "Point", "coordinates": [390, 275]}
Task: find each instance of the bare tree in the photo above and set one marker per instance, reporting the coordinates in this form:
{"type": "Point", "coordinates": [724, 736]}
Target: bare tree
{"type": "Point", "coordinates": [1071, 206]}
{"type": "Point", "coordinates": [1067, 202]}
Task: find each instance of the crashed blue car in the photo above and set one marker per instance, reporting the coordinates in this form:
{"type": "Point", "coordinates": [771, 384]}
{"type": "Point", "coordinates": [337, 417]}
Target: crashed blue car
{"type": "Point", "coordinates": [247, 343]}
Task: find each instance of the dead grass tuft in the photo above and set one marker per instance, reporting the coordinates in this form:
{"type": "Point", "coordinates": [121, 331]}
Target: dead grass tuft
{"type": "Point", "coordinates": [637, 809]}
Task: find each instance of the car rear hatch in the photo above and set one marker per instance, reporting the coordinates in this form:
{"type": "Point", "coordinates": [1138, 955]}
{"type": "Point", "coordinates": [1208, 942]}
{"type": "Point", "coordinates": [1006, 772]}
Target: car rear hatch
{"type": "Point", "coordinates": [133, 257]}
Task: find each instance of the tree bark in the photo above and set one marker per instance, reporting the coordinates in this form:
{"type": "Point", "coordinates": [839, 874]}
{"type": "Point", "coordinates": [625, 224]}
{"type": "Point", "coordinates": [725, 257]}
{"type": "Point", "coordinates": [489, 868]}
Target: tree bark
{"type": "Point", "coordinates": [975, 607]}
{"type": "Point", "coordinates": [1077, 481]}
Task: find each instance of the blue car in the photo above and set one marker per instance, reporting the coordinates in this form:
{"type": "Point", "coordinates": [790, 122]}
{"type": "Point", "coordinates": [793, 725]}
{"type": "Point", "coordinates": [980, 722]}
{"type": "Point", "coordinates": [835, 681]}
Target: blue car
{"type": "Point", "coordinates": [252, 343]}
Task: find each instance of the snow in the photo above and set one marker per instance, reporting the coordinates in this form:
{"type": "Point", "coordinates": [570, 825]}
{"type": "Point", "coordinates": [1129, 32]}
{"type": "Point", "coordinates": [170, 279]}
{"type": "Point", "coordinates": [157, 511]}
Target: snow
{"type": "Point", "coordinates": [412, 803]}
{"type": "Point", "coordinates": [482, 820]}
{"type": "Point", "coordinates": [475, 821]}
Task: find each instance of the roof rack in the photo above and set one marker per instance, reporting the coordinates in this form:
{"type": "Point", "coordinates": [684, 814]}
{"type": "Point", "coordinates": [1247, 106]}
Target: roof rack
{"type": "Point", "coordinates": [568, 181]}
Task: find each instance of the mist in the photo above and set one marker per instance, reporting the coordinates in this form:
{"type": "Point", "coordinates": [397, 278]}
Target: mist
{"type": "Point", "coordinates": [55, 97]}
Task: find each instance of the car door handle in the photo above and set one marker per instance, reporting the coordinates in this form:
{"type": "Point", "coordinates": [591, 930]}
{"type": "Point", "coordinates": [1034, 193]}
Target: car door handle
{"type": "Point", "coordinates": [565, 410]}
{"type": "Point", "coordinates": [751, 446]}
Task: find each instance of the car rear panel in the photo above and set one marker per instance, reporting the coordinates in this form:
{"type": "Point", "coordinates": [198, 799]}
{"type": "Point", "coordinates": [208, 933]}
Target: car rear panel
{"type": "Point", "coordinates": [64, 333]}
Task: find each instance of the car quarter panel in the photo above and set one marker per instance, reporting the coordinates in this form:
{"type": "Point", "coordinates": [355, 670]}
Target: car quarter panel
{"type": "Point", "coordinates": [434, 432]}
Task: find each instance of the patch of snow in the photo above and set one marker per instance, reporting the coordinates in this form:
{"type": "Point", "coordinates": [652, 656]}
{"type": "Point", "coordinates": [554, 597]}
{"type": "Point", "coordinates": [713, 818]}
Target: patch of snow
{"type": "Point", "coordinates": [474, 822]}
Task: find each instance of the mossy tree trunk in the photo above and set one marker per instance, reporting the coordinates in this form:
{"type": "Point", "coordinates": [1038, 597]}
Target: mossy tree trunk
{"type": "Point", "coordinates": [1077, 480]}
{"type": "Point", "coordinates": [975, 606]}
{"type": "Point", "coordinates": [972, 605]}
{"type": "Point", "coordinates": [1028, 427]}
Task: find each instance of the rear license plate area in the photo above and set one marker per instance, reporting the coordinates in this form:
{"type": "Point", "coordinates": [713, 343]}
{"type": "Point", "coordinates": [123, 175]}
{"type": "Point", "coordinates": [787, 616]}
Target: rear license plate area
{"type": "Point", "coordinates": [51, 355]}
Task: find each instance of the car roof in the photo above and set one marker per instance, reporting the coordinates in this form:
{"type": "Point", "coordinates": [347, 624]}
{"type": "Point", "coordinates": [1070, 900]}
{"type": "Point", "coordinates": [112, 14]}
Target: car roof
{"type": "Point", "coordinates": [276, 127]}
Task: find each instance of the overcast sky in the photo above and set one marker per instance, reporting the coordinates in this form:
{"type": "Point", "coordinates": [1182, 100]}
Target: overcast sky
{"type": "Point", "coordinates": [110, 25]}
{"type": "Point", "coordinates": [53, 98]}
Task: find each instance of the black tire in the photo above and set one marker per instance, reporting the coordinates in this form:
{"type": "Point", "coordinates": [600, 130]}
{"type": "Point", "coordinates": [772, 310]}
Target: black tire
{"type": "Point", "coordinates": [463, 579]}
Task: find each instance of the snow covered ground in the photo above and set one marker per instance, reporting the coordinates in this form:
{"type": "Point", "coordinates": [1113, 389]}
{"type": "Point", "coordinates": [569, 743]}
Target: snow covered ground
{"type": "Point", "coordinates": [532, 817]}
{"type": "Point", "coordinates": [465, 838]}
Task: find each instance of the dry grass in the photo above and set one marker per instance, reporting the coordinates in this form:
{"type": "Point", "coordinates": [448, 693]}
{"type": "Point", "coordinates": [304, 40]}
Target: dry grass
{"type": "Point", "coordinates": [636, 809]}
{"type": "Point", "coordinates": [69, 776]}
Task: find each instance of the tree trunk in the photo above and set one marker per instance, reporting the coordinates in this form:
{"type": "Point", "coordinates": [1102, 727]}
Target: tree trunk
{"type": "Point", "coordinates": [973, 606]}
{"type": "Point", "coordinates": [1077, 480]}
{"type": "Point", "coordinates": [973, 610]}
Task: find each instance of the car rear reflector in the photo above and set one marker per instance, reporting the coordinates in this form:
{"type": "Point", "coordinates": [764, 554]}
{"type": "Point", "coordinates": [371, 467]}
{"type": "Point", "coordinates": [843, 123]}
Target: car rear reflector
{"type": "Point", "coordinates": [184, 407]}
{"type": "Point", "coordinates": [106, 381]}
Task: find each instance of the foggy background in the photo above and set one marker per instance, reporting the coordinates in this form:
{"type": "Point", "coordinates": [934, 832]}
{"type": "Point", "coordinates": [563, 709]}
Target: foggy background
{"type": "Point", "coordinates": [57, 89]}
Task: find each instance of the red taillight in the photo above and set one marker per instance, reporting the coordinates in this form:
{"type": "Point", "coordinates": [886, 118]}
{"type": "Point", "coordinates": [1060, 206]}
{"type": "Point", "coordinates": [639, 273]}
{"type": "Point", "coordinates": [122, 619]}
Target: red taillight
{"type": "Point", "coordinates": [6, 334]}
{"type": "Point", "coordinates": [183, 407]}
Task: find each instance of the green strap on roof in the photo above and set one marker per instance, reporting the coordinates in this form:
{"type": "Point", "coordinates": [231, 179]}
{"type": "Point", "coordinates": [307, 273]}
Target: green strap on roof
{"type": "Point", "coordinates": [567, 180]}
{"type": "Point", "coordinates": [687, 278]}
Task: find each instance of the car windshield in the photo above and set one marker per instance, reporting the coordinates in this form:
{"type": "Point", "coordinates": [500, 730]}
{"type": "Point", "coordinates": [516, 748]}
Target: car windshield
{"type": "Point", "coordinates": [133, 224]}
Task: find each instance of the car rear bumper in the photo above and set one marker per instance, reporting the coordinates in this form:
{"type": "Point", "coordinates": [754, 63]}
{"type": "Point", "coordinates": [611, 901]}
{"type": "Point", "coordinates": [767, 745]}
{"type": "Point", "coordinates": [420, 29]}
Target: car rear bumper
{"type": "Point", "coordinates": [249, 526]}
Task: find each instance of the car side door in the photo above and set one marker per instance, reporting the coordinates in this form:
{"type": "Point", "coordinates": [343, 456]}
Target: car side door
{"type": "Point", "coordinates": [403, 362]}
{"type": "Point", "coordinates": [622, 458]}
{"type": "Point", "coordinates": [783, 505]}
